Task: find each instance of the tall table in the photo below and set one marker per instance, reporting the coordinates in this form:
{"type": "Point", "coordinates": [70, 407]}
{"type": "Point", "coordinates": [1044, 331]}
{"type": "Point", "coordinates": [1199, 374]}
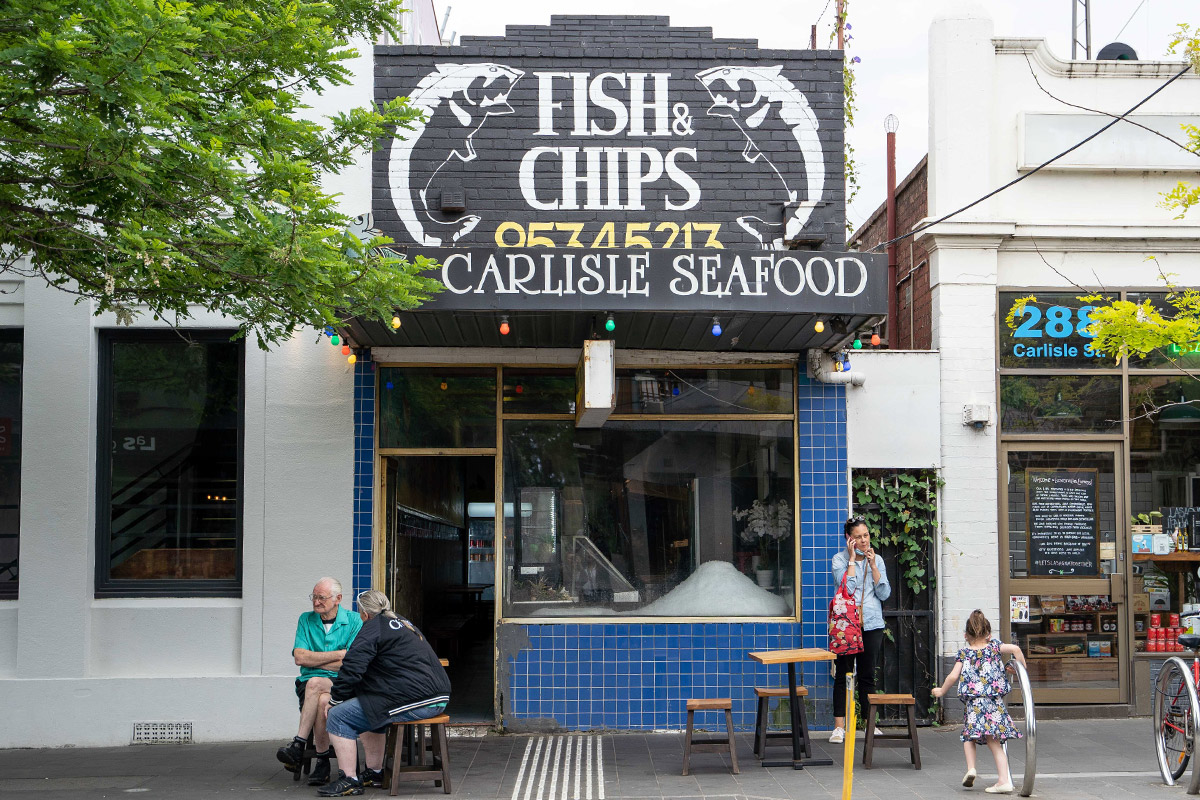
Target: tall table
{"type": "Point", "coordinates": [791, 658]}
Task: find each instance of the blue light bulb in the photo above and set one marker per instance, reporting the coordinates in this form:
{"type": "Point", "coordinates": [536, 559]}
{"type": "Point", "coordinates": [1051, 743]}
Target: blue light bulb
{"type": "Point", "coordinates": [716, 327]}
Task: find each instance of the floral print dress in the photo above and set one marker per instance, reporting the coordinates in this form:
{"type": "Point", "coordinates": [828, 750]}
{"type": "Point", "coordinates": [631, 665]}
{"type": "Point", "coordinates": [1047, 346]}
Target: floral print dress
{"type": "Point", "coordinates": [982, 686]}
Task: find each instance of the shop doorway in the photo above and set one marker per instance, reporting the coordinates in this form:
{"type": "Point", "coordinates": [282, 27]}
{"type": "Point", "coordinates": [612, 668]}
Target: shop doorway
{"type": "Point", "coordinates": [438, 568]}
{"type": "Point", "coordinates": [1063, 568]}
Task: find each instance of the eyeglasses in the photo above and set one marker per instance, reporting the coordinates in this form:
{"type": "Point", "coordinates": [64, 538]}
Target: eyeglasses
{"type": "Point", "coordinates": [856, 521]}
{"type": "Point", "coordinates": [321, 597]}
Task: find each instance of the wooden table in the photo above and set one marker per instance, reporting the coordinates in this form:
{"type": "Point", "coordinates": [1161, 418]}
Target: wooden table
{"type": "Point", "coordinates": [791, 658]}
{"type": "Point", "coordinates": [472, 593]}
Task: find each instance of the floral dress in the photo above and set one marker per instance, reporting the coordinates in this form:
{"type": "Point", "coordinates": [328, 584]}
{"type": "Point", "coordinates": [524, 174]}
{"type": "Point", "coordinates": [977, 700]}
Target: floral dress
{"type": "Point", "coordinates": [982, 686]}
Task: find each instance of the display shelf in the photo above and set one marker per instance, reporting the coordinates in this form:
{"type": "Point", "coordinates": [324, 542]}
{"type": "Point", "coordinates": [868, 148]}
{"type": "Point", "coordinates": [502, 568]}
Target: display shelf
{"type": "Point", "coordinates": [1178, 555]}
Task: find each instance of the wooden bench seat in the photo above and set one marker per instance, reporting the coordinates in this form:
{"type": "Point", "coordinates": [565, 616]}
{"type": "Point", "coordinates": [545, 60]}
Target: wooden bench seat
{"type": "Point", "coordinates": [438, 770]}
{"type": "Point", "coordinates": [907, 739]}
{"type": "Point", "coordinates": [762, 735]}
{"type": "Point", "coordinates": [717, 744]}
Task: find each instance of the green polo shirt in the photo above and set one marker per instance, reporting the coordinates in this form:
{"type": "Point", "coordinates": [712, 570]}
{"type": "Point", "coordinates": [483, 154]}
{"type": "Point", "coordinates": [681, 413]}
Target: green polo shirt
{"type": "Point", "coordinates": [311, 635]}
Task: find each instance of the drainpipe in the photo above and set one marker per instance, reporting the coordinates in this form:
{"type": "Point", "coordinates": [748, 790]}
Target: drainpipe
{"type": "Point", "coordinates": [820, 367]}
{"type": "Point", "coordinates": [891, 124]}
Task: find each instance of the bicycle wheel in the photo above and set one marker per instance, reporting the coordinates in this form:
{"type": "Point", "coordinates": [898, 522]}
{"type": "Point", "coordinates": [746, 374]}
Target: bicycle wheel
{"type": "Point", "coordinates": [1175, 714]}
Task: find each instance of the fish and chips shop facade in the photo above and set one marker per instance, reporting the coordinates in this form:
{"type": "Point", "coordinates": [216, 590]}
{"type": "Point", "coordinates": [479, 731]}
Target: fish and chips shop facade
{"type": "Point", "coordinates": [610, 457]}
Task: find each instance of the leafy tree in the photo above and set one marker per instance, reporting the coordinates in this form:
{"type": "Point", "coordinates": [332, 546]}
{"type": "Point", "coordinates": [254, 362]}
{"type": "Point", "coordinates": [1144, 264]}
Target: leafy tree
{"type": "Point", "coordinates": [154, 158]}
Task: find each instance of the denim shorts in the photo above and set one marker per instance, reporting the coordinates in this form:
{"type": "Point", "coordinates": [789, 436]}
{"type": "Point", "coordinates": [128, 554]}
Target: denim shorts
{"type": "Point", "coordinates": [346, 719]}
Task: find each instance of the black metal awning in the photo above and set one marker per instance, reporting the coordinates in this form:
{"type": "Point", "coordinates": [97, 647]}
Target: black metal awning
{"type": "Point", "coordinates": [638, 330]}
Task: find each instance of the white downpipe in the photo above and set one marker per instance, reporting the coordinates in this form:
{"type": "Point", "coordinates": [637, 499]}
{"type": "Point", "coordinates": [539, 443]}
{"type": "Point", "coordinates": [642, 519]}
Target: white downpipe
{"type": "Point", "coordinates": [820, 366]}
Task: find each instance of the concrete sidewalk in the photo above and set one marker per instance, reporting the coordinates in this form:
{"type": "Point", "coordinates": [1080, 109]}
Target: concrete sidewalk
{"type": "Point", "coordinates": [1107, 759]}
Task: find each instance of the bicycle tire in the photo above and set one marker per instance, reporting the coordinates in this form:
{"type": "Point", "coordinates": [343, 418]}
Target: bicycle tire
{"type": "Point", "coordinates": [1175, 715]}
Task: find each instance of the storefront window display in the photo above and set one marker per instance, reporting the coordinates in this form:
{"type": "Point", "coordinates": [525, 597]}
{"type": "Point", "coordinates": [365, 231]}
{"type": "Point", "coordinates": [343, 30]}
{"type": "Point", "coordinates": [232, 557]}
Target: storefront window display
{"type": "Point", "coordinates": [650, 518]}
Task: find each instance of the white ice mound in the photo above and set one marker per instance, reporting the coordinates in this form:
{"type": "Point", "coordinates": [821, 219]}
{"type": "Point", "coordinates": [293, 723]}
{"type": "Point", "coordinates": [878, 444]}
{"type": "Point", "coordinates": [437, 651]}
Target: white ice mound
{"type": "Point", "coordinates": [717, 589]}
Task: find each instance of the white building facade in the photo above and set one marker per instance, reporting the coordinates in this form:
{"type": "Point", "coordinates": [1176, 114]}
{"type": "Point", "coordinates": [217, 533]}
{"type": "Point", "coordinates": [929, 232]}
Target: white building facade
{"type": "Point", "coordinates": [1060, 432]}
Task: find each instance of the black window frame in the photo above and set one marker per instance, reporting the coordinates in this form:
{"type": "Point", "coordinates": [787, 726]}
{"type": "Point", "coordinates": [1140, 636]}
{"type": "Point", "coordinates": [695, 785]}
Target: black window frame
{"type": "Point", "coordinates": [10, 590]}
{"type": "Point", "coordinates": [109, 587]}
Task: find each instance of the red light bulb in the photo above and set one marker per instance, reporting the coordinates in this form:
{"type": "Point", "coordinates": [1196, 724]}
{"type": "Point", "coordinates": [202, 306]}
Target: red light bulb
{"type": "Point", "coordinates": [874, 340]}
{"type": "Point", "coordinates": [504, 328]}
{"type": "Point", "coordinates": [345, 349]}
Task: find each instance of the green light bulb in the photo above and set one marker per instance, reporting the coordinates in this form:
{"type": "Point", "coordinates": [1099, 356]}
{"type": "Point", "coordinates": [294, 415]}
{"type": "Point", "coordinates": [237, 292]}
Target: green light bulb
{"type": "Point", "coordinates": [858, 344]}
{"type": "Point", "coordinates": [333, 340]}
{"type": "Point", "coordinates": [610, 325]}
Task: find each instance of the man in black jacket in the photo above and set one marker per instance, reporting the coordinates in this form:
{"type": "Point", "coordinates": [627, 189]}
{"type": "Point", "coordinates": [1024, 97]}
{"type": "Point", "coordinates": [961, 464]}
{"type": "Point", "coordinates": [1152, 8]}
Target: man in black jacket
{"type": "Point", "coordinates": [389, 674]}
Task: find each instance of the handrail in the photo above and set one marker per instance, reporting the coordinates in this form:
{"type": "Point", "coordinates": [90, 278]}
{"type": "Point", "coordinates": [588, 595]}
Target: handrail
{"type": "Point", "coordinates": [1030, 729]}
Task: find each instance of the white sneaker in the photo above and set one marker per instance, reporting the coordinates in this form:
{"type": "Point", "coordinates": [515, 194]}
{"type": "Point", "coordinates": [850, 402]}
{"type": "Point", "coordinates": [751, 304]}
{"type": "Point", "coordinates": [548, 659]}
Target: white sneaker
{"type": "Point", "coordinates": [1004, 788]}
{"type": "Point", "coordinates": [969, 778]}
{"type": "Point", "coordinates": [838, 736]}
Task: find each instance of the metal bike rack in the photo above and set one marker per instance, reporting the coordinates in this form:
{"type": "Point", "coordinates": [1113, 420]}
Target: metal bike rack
{"type": "Point", "coordinates": [1160, 692]}
{"type": "Point", "coordinates": [1030, 730]}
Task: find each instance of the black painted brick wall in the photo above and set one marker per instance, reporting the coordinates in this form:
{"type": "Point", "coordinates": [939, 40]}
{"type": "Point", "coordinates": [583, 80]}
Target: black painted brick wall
{"type": "Point", "coordinates": [730, 185]}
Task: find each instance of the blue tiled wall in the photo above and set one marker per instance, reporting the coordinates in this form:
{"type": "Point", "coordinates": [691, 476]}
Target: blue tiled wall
{"type": "Point", "coordinates": [637, 676]}
{"type": "Point", "coordinates": [364, 469]}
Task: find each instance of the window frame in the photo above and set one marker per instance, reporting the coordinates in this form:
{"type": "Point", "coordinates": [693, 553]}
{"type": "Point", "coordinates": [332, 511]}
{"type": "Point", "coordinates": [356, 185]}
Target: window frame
{"type": "Point", "coordinates": [106, 586]}
{"type": "Point", "coordinates": [11, 590]}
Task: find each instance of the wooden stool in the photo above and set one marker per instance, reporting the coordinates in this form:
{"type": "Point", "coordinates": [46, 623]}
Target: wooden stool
{"type": "Point", "coordinates": [908, 739]}
{"type": "Point", "coordinates": [710, 743]}
{"type": "Point", "coordinates": [437, 771]}
{"type": "Point", "coordinates": [761, 734]}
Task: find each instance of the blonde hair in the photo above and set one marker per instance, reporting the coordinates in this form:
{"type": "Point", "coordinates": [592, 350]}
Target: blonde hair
{"type": "Point", "coordinates": [978, 627]}
{"type": "Point", "coordinates": [375, 603]}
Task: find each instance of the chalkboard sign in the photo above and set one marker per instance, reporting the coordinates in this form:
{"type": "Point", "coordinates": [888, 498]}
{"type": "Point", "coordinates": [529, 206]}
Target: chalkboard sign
{"type": "Point", "coordinates": [1063, 521]}
{"type": "Point", "coordinates": [1186, 519]}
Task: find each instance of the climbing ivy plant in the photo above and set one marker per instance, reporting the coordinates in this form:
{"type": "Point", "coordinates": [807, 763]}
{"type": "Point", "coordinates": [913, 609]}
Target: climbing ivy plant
{"type": "Point", "coordinates": [901, 510]}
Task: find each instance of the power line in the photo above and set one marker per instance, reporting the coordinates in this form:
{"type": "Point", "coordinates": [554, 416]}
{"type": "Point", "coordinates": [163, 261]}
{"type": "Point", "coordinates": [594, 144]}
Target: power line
{"type": "Point", "coordinates": [1046, 163]}
{"type": "Point", "coordinates": [1131, 16]}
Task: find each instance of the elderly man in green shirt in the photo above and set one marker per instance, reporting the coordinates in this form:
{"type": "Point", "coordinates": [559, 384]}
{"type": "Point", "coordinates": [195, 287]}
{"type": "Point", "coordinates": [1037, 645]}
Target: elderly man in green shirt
{"type": "Point", "coordinates": [323, 636]}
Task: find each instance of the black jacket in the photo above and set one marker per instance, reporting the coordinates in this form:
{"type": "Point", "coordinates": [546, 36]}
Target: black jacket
{"type": "Point", "coordinates": [390, 668]}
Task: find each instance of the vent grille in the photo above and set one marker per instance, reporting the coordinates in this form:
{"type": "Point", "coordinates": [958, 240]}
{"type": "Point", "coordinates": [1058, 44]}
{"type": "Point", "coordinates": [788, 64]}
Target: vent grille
{"type": "Point", "coordinates": [162, 733]}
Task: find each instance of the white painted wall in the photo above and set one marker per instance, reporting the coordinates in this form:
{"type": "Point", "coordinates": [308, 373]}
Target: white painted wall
{"type": "Point", "coordinates": [892, 422]}
{"type": "Point", "coordinates": [1082, 222]}
{"type": "Point", "coordinates": [222, 663]}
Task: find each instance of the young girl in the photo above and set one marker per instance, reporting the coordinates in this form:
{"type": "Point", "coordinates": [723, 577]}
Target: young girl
{"type": "Point", "coordinates": [982, 687]}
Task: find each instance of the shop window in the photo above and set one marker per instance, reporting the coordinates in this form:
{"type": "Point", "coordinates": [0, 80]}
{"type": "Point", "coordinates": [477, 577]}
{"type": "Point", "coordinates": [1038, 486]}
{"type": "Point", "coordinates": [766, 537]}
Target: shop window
{"type": "Point", "coordinates": [436, 407]}
{"type": "Point", "coordinates": [1050, 334]}
{"type": "Point", "coordinates": [10, 460]}
{"type": "Point", "coordinates": [649, 517]}
{"type": "Point", "coordinates": [539, 391]}
{"type": "Point", "coordinates": [1175, 356]}
{"type": "Point", "coordinates": [704, 391]}
{"type": "Point", "coordinates": [1060, 404]}
{"type": "Point", "coordinates": [170, 464]}
{"type": "Point", "coordinates": [1164, 442]}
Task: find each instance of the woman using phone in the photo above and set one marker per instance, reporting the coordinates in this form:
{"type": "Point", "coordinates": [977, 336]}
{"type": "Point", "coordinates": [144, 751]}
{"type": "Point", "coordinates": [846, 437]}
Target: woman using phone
{"type": "Point", "coordinates": [866, 579]}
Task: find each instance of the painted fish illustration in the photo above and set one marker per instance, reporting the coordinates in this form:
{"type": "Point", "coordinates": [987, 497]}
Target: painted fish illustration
{"type": "Point", "coordinates": [363, 226]}
{"type": "Point", "coordinates": [747, 96]}
{"type": "Point", "coordinates": [470, 93]}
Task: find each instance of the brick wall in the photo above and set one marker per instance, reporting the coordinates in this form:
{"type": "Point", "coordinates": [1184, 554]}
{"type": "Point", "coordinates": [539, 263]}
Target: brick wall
{"type": "Point", "coordinates": [914, 329]}
{"type": "Point", "coordinates": [550, 126]}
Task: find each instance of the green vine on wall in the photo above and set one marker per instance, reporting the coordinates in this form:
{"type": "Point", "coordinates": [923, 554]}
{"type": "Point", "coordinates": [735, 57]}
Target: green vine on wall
{"type": "Point", "coordinates": [901, 510]}
{"type": "Point", "coordinates": [851, 168]}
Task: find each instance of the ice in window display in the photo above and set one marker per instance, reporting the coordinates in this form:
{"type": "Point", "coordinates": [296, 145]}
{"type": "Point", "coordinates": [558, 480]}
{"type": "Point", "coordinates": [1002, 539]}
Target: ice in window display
{"type": "Point", "coordinates": [715, 589]}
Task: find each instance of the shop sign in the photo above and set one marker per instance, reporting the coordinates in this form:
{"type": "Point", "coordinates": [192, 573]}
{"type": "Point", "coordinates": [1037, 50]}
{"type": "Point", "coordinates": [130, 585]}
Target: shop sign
{"type": "Point", "coordinates": [697, 280]}
{"type": "Point", "coordinates": [1051, 333]}
{"type": "Point", "coordinates": [1063, 521]}
{"type": "Point", "coordinates": [623, 136]}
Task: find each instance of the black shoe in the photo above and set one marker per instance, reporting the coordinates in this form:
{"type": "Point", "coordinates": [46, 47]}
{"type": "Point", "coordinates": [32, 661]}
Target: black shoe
{"type": "Point", "coordinates": [320, 774]}
{"type": "Point", "coordinates": [372, 777]}
{"type": "Point", "coordinates": [292, 753]}
{"type": "Point", "coordinates": [342, 787]}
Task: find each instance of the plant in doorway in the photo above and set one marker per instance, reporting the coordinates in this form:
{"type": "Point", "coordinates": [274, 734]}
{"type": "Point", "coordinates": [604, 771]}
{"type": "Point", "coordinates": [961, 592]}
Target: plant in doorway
{"type": "Point", "coordinates": [767, 524]}
{"type": "Point", "coordinates": [538, 591]}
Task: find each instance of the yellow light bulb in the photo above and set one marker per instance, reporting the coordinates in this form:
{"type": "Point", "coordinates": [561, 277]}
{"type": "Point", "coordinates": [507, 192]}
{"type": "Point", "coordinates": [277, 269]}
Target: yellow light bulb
{"type": "Point", "coordinates": [352, 358]}
{"type": "Point", "coordinates": [819, 327]}
{"type": "Point", "coordinates": [395, 322]}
